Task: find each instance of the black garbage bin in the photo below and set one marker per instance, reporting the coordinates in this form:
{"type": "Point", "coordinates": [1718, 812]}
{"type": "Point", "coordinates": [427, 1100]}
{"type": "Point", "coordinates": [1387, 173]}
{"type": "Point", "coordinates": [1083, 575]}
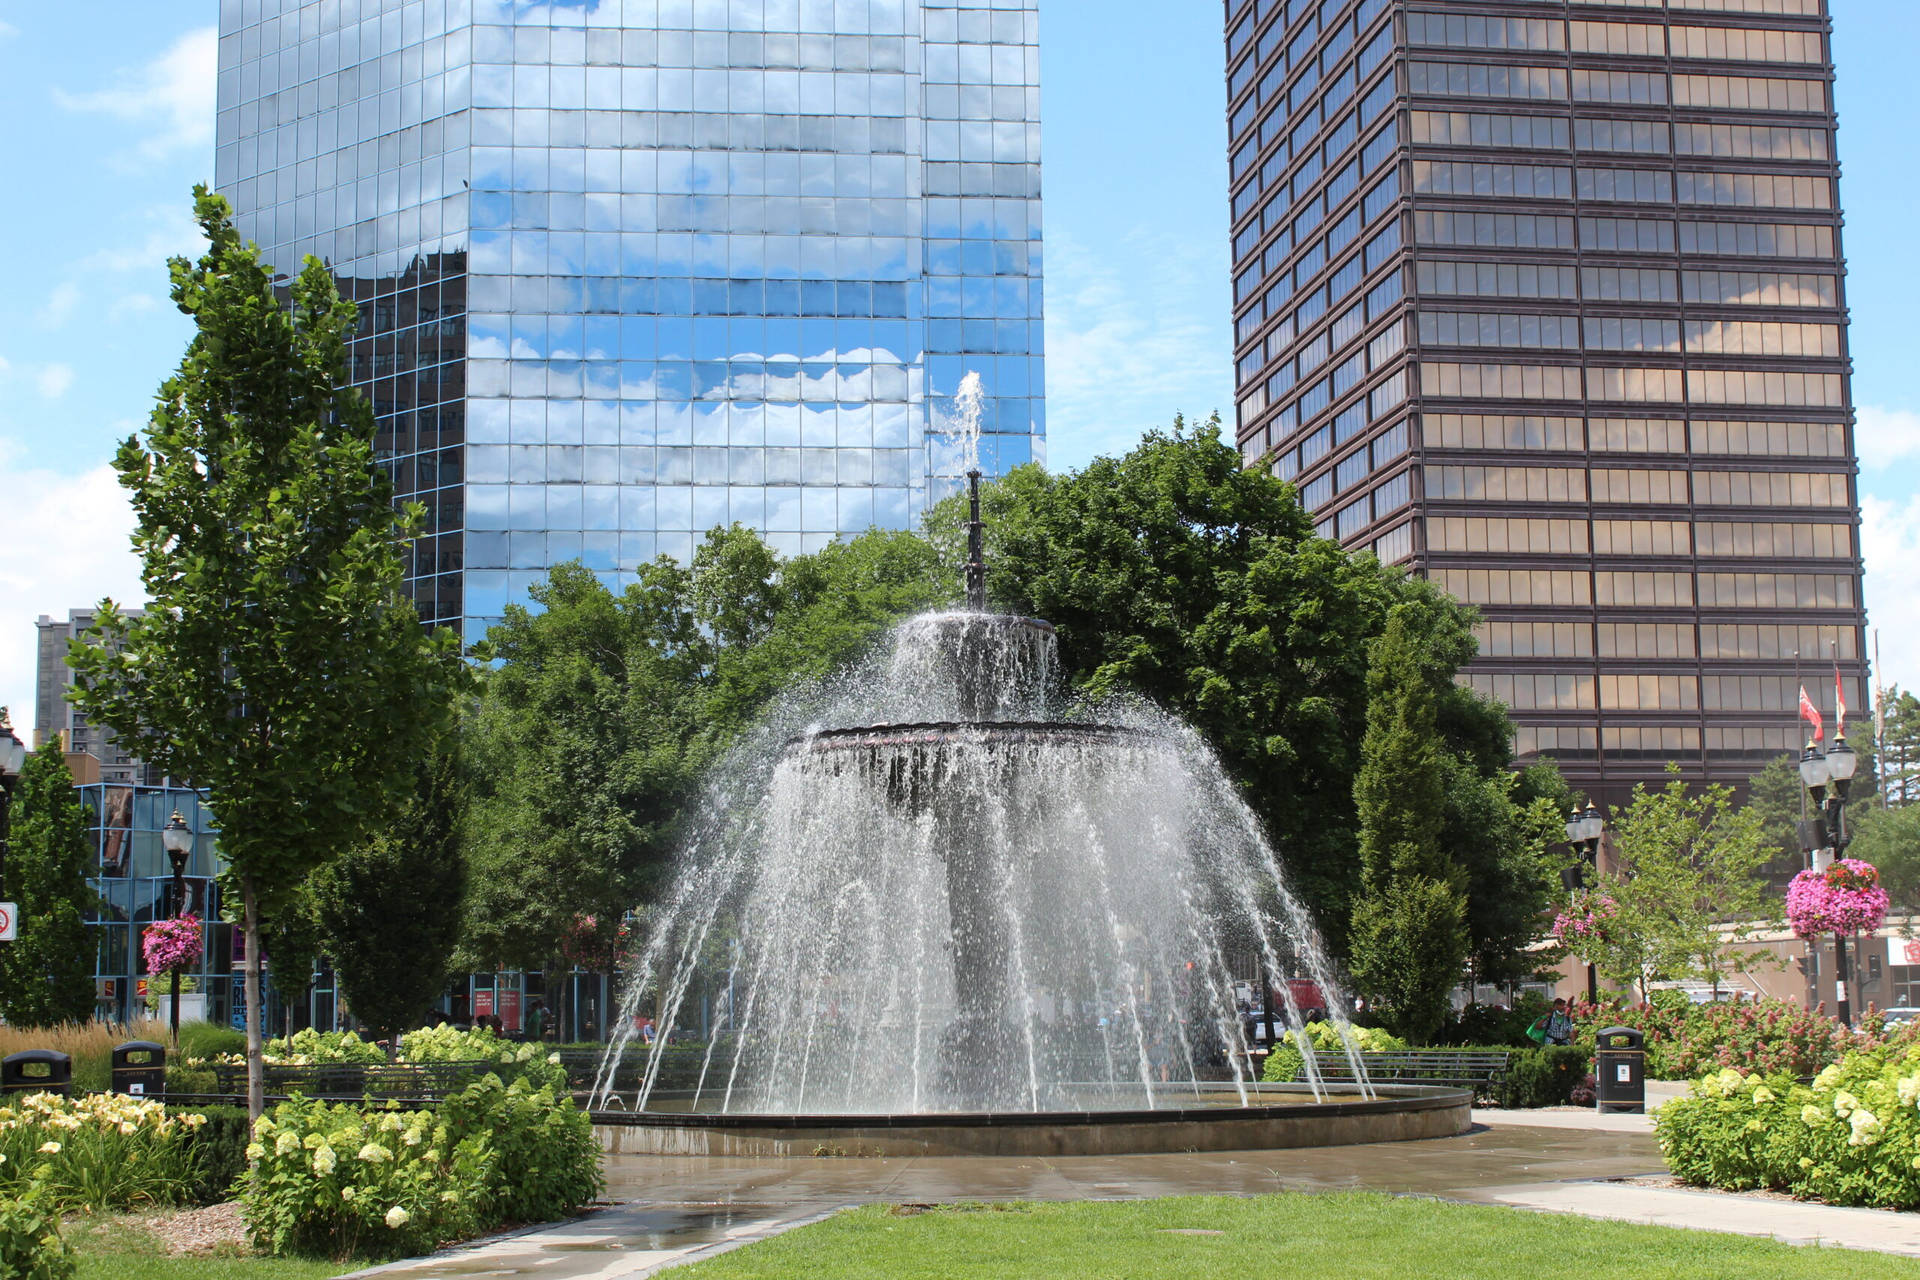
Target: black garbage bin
{"type": "Point", "coordinates": [140, 1068]}
{"type": "Point", "coordinates": [36, 1071]}
{"type": "Point", "coordinates": [1620, 1070]}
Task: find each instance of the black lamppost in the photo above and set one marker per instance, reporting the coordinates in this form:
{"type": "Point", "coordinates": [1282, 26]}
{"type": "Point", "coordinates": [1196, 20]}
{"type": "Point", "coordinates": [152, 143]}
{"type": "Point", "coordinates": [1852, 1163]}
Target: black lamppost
{"type": "Point", "coordinates": [1584, 830]}
{"type": "Point", "coordinates": [177, 836]}
{"type": "Point", "coordinates": [1828, 777]}
{"type": "Point", "coordinates": [13, 758]}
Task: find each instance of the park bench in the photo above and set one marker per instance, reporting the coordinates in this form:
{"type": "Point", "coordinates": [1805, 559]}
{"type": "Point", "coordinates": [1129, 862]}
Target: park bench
{"type": "Point", "coordinates": [357, 1080]}
{"type": "Point", "coordinates": [1481, 1070]}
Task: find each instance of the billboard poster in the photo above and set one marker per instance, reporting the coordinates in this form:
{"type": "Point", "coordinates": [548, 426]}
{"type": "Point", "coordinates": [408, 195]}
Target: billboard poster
{"type": "Point", "coordinates": [117, 820]}
{"type": "Point", "coordinates": [1903, 952]}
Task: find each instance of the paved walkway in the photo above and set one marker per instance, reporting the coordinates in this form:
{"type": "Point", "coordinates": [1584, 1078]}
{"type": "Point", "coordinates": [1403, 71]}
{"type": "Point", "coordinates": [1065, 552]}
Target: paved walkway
{"type": "Point", "coordinates": [678, 1209]}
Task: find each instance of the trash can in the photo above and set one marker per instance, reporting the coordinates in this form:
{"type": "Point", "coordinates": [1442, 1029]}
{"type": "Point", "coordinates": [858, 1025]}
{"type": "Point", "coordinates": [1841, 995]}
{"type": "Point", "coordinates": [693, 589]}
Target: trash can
{"type": "Point", "coordinates": [1619, 1070]}
{"type": "Point", "coordinates": [140, 1068]}
{"type": "Point", "coordinates": [36, 1071]}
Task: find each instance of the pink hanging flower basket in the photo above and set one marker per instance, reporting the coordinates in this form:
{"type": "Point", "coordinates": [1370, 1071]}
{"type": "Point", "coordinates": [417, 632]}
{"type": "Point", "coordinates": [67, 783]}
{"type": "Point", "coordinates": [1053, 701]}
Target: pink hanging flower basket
{"type": "Point", "coordinates": [1845, 898]}
{"type": "Point", "coordinates": [1589, 919]}
{"type": "Point", "coordinates": [172, 944]}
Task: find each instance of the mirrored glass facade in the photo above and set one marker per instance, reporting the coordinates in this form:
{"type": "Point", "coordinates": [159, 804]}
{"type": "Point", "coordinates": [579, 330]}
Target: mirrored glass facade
{"type": "Point", "coordinates": [632, 269]}
{"type": "Point", "coordinates": [1546, 299]}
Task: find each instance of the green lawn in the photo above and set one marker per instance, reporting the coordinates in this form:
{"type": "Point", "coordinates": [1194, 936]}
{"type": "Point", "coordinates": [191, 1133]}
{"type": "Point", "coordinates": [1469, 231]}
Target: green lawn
{"type": "Point", "coordinates": [1344, 1236]}
{"type": "Point", "coordinates": [111, 1247]}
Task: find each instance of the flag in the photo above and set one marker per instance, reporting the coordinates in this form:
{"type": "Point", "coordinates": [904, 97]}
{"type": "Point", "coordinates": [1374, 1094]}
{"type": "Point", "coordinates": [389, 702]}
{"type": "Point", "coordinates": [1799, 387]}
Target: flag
{"type": "Point", "coordinates": [1811, 714]}
{"type": "Point", "coordinates": [1840, 705]}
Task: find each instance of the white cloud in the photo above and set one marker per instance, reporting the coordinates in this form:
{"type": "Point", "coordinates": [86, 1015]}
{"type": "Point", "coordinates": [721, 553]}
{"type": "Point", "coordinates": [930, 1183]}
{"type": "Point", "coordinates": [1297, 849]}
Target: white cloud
{"type": "Point", "coordinates": [133, 304]}
{"type": "Point", "coordinates": [61, 304]}
{"type": "Point", "coordinates": [7, 29]}
{"type": "Point", "coordinates": [1890, 545]}
{"type": "Point", "coordinates": [70, 550]}
{"type": "Point", "coordinates": [171, 233]}
{"type": "Point", "coordinates": [1139, 331]}
{"type": "Point", "coordinates": [53, 380]}
{"type": "Point", "coordinates": [173, 96]}
{"type": "Point", "coordinates": [1886, 435]}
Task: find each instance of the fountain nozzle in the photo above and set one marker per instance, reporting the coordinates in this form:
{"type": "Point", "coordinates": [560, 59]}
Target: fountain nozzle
{"type": "Point", "coordinates": [976, 554]}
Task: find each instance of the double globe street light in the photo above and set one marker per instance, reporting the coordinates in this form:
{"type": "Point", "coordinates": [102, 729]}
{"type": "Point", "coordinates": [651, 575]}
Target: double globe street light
{"type": "Point", "coordinates": [1828, 777]}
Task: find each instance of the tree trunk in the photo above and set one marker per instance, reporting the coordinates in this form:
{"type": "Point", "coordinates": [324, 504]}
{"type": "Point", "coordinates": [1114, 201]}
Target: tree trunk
{"type": "Point", "coordinates": [256, 1074]}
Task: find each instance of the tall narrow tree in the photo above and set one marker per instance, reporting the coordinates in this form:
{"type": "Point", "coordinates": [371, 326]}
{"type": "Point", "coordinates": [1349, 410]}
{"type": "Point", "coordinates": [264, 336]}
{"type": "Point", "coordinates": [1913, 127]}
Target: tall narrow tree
{"type": "Point", "coordinates": [1410, 938]}
{"type": "Point", "coordinates": [277, 665]}
{"type": "Point", "coordinates": [46, 973]}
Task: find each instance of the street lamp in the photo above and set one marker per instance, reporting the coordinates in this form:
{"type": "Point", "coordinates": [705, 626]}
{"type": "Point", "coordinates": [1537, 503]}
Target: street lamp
{"type": "Point", "coordinates": [1828, 777]}
{"type": "Point", "coordinates": [1584, 829]}
{"type": "Point", "coordinates": [13, 758]}
{"type": "Point", "coordinates": [178, 839]}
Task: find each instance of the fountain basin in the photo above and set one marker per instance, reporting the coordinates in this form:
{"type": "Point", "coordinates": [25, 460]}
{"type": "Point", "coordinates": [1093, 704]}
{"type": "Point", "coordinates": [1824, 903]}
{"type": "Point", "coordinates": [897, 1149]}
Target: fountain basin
{"type": "Point", "coordinates": [1285, 1115]}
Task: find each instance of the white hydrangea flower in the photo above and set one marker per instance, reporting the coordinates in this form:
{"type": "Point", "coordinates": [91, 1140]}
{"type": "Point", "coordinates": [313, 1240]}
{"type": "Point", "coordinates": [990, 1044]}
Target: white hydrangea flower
{"type": "Point", "coordinates": [398, 1217]}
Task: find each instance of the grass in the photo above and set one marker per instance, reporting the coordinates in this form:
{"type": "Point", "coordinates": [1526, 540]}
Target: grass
{"type": "Point", "coordinates": [1350, 1235]}
{"type": "Point", "coordinates": [114, 1247]}
{"type": "Point", "coordinates": [89, 1044]}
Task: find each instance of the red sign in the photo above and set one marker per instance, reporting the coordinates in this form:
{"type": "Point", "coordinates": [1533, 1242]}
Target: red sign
{"type": "Point", "coordinates": [483, 1004]}
{"type": "Point", "coordinates": [510, 1009]}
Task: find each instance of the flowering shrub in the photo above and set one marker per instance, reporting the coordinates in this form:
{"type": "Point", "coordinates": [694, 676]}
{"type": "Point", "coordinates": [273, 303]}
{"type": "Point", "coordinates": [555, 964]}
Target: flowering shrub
{"type": "Point", "coordinates": [1285, 1063]}
{"type": "Point", "coordinates": [1845, 898]}
{"type": "Point", "coordinates": [31, 1247]}
{"type": "Point", "coordinates": [343, 1181]}
{"type": "Point", "coordinates": [1589, 919]}
{"type": "Point", "coordinates": [1852, 1138]}
{"type": "Point", "coordinates": [309, 1047]}
{"type": "Point", "coordinates": [98, 1151]}
{"type": "Point", "coordinates": [529, 1062]}
{"type": "Point", "coordinates": [177, 943]}
{"type": "Point", "coordinates": [352, 1181]}
{"type": "Point", "coordinates": [1685, 1040]}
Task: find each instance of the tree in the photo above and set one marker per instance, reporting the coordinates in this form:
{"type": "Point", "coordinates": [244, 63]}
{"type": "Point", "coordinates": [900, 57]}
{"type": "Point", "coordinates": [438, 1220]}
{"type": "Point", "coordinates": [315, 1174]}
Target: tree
{"type": "Point", "coordinates": [390, 911]}
{"type": "Point", "coordinates": [277, 665]}
{"type": "Point", "coordinates": [46, 973]}
{"type": "Point", "coordinates": [1890, 840]}
{"type": "Point", "coordinates": [1175, 573]}
{"type": "Point", "coordinates": [1900, 756]}
{"type": "Point", "coordinates": [291, 940]}
{"type": "Point", "coordinates": [1687, 884]}
{"type": "Point", "coordinates": [603, 711]}
{"type": "Point", "coordinates": [1410, 939]}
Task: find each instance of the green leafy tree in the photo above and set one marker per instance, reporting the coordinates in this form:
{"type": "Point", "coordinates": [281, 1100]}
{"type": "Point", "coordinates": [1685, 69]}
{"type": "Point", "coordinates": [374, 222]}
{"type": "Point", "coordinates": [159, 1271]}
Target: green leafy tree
{"type": "Point", "coordinates": [1890, 840]}
{"type": "Point", "coordinates": [277, 665]}
{"type": "Point", "coordinates": [1688, 880]}
{"type": "Point", "coordinates": [1410, 939]}
{"type": "Point", "coordinates": [1900, 754]}
{"type": "Point", "coordinates": [292, 941]}
{"type": "Point", "coordinates": [390, 911]}
{"type": "Point", "coordinates": [46, 973]}
{"type": "Point", "coordinates": [603, 710]}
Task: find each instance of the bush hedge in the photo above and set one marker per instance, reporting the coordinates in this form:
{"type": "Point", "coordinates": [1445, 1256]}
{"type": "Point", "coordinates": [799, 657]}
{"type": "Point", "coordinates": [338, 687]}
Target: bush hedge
{"type": "Point", "coordinates": [1849, 1138]}
{"type": "Point", "coordinates": [1537, 1076]}
{"type": "Point", "coordinates": [365, 1181]}
{"type": "Point", "coordinates": [1685, 1040]}
{"type": "Point", "coordinates": [31, 1246]}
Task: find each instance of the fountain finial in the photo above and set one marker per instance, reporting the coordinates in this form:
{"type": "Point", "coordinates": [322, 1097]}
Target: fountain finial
{"type": "Point", "coordinates": [976, 554]}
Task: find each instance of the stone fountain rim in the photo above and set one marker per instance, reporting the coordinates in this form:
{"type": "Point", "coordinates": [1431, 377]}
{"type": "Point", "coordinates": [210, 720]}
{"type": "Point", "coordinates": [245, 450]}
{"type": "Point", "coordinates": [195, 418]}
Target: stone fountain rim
{"type": "Point", "coordinates": [1392, 1098]}
{"type": "Point", "coordinates": [972, 732]}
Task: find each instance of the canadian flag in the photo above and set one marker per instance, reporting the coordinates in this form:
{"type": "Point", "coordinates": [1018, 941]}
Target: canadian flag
{"type": "Point", "coordinates": [1811, 714]}
{"type": "Point", "coordinates": [1840, 703]}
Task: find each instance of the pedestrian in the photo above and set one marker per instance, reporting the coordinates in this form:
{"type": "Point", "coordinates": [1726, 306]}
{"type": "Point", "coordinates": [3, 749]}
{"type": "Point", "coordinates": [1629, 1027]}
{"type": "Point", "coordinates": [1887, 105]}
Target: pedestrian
{"type": "Point", "coordinates": [537, 1022]}
{"type": "Point", "coordinates": [1554, 1026]}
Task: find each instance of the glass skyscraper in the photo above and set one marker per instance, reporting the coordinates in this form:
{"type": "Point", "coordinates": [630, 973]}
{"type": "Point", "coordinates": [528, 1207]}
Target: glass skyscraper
{"type": "Point", "coordinates": [1546, 298]}
{"type": "Point", "coordinates": [631, 269]}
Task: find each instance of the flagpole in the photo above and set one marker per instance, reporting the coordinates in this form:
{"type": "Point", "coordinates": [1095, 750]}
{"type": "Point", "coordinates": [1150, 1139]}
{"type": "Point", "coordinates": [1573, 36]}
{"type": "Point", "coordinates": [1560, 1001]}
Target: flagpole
{"type": "Point", "coordinates": [1879, 722]}
{"type": "Point", "coordinates": [1806, 849]}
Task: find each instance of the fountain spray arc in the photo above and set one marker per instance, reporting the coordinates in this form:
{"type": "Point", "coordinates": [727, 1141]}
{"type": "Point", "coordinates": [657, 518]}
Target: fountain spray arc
{"type": "Point", "coordinates": [978, 897]}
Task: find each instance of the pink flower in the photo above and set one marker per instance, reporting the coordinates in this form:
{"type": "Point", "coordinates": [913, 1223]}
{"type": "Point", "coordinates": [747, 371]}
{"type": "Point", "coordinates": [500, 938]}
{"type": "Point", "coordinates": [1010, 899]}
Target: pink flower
{"type": "Point", "coordinates": [1845, 898]}
{"type": "Point", "coordinates": [172, 944]}
{"type": "Point", "coordinates": [1587, 920]}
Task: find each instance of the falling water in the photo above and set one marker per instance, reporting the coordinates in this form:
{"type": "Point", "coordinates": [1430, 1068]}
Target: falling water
{"type": "Point", "coordinates": [981, 898]}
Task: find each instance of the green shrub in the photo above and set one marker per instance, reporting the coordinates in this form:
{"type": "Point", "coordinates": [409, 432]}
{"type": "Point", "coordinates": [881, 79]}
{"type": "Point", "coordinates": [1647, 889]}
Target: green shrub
{"type": "Point", "coordinates": [208, 1040]}
{"type": "Point", "coordinates": [1685, 1040]}
{"type": "Point", "coordinates": [1847, 1139]}
{"type": "Point", "coordinates": [31, 1247]}
{"type": "Point", "coordinates": [1543, 1076]}
{"type": "Point", "coordinates": [321, 1047]}
{"type": "Point", "coordinates": [369, 1182]}
{"type": "Point", "coordinates": [98, 1151]}
{"type": "Point", "coordinates": [1490, 1025]}
{"type": "Point", "coordinates": [191, 1081]}
{"type": "Point", "coordinates": [1285, 1064]}
{"type": "Point", "coordinates": [544, 1161]}
{"type": "Point", "coordinates": [346, 1181]}
{"type": "Point", "coordinates": [511, 1061]}
{"type": "Point", "coordinates": [219, 1146]}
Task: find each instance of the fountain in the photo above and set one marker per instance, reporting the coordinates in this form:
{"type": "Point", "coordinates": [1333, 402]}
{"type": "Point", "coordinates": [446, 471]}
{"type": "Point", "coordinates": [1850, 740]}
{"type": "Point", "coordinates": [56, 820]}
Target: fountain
{"type": "Point", "coordinates": [978, 919]}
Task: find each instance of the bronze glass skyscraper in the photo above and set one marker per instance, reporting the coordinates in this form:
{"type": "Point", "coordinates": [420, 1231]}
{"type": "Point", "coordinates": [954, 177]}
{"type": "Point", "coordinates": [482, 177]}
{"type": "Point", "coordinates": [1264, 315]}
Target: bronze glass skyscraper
{"type": "Point", "coordinates": [1546, 298]}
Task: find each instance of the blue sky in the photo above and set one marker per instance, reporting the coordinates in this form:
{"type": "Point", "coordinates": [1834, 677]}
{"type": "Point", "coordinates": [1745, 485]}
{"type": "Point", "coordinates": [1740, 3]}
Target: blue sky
{"type": "Point", "coordinates": [111, 110]}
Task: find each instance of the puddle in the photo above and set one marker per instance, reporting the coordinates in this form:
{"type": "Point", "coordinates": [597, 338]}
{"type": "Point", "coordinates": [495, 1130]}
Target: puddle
{"type": "Point", "coordinates": [672, 1227]}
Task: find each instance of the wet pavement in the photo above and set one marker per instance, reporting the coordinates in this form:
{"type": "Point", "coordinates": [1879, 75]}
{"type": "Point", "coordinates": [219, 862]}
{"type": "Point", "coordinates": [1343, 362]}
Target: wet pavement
{"type": "Point", "coordinates": [676, 1208]}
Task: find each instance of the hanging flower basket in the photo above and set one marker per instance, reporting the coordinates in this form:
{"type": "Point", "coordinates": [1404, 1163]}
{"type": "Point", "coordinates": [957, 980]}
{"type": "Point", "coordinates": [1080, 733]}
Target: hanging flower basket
{"type": "Point", "coordinates": [172, 944]}
{"type": "Point", "coordinates": [1589, 920]}
{"type": "Point", "coordinates": [1845, 898]}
